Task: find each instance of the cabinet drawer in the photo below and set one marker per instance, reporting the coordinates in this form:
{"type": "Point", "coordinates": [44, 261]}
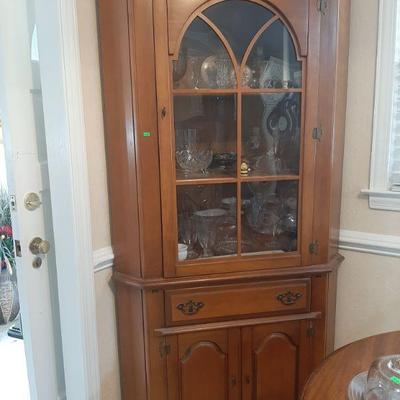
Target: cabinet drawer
{"type": "Point", "coordinates": [230, 301]}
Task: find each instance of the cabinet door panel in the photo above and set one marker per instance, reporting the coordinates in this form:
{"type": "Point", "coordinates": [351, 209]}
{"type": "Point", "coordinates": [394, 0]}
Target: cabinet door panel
{"type": "Point", "coordinates": [275, 368]}
{"type": "Point", "coordinates": [271, 361]}
{"type": "Point", "coordinates": [204, 366]}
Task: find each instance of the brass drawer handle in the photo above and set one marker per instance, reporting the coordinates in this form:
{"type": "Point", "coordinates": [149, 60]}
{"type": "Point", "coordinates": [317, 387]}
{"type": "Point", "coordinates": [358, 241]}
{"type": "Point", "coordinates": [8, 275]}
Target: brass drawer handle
{"type": "Point", "coordinates": [190, 308]}
{"type": "Point", "coordinates": [289, 298]}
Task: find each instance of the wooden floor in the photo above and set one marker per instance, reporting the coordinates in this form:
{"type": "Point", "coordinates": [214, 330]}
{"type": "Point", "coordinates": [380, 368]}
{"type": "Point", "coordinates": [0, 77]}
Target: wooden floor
{"type": "Point", "coordinates": [13, 376]}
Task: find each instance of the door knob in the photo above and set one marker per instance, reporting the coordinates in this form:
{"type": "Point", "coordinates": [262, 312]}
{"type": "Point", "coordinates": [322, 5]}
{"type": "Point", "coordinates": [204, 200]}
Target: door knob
{"type": "Point", "coordinates": [39, 246]}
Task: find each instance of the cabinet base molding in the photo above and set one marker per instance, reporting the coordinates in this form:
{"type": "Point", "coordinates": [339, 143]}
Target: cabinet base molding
{"type": "Point", "coordinates": [252, 276]}
{"type": "Point", "coordinates": [177, 330]}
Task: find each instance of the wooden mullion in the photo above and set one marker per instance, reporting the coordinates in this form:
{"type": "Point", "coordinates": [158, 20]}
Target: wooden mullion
{"type": "Point", "coordinates": [239, 182]}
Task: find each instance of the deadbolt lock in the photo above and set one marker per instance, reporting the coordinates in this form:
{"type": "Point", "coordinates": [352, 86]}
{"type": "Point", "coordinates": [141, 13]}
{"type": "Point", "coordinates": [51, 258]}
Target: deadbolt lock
{"type": "Point", "coordinates": [39, 246]}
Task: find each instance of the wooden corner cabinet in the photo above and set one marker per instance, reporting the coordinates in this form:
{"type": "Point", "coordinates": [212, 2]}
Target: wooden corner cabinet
{"type": "Point", "coordinates": [224, 132]}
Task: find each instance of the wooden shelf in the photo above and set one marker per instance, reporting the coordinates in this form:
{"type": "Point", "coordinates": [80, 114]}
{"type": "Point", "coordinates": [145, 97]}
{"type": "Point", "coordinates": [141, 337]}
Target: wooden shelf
{"type": "Point", "coordinates": [205, 181]}
{"type": "Point", "coordinates": [220, 92]}
{"type": "Point", "coordinates": [213, 180]}
{"type": "Point", "coordinates": [266, 178]}
{"type": "Point", "coordinates": [267, 91]}
{"type": "Point", "coordinates": [198, 92]}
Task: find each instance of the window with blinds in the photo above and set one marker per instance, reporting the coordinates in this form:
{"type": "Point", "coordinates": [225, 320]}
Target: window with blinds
{"type": "Point", "coordinates": [394, 150]}
{"type": "Point", "coordinates": [384, 186]}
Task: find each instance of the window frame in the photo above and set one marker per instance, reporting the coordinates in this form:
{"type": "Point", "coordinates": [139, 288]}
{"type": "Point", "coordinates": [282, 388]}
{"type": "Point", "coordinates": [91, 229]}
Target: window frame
{"type": "Point", "coordinates": [380, 195]}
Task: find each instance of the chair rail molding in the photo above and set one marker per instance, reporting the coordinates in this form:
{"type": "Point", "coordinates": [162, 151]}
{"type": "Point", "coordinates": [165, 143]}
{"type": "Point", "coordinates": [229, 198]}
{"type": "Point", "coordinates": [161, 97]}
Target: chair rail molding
{"type": "Point", "coordinates": [363, 242]}
{"type": "Point", "coordinates": [373, 243]}
{"type": "Point", "coordinates": [103, 259]}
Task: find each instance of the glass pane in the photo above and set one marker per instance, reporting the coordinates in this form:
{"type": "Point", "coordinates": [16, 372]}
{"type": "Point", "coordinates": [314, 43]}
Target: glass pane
{"type": "Point", "coordinates": [203, 60]}
{"type": "Point", "coordinates": [239, 21]}
{"type": "Point", "coordinates": [269, 222]}
{"type": "Point", "coordinates": [271, 133]}
{"type": "Point", "coordinates": [206, 221]}
{"type": "Point", "coordinates": [273, 60]}
{"type": "Point", "coordinates": [205, 136]}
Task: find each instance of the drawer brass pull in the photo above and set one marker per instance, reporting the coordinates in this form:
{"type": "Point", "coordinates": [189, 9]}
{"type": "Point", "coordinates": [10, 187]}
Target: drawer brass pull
{"type": "Point", "coordinates": [190, 308]}
{"type": "Point", "coordinates": [289, 298]}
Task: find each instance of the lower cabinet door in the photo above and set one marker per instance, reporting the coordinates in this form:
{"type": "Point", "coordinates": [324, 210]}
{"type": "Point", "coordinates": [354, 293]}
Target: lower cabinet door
{"type": "Point", "coordinates": [275, 361]}
{"type": "Point", "coordinates": [205, 366]}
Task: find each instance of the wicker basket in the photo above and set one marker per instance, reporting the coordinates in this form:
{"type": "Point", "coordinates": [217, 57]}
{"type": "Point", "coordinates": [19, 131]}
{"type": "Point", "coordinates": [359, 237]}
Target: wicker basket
{"type": "Point", "coordinates": [9, 299]}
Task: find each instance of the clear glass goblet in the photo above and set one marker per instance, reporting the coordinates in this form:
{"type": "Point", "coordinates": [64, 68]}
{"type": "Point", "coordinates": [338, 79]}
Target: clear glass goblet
{"type": "Point", "coordinates": [207, 222]}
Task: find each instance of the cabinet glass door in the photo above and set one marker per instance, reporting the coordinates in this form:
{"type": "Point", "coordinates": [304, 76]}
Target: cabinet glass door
{"type": "Point", "coordinates": [238, 97]}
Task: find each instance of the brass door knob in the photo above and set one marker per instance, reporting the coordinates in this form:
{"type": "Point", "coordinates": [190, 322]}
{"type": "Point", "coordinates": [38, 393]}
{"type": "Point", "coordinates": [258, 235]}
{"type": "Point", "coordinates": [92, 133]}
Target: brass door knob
{"type": "Point", "coordinates": [39, 246]}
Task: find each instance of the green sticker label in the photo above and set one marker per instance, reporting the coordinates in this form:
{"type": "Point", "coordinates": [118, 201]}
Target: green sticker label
{"type": "Point", "coordinates": [395, 380]}
{"type": "Point", "coordinates": [146, 134]}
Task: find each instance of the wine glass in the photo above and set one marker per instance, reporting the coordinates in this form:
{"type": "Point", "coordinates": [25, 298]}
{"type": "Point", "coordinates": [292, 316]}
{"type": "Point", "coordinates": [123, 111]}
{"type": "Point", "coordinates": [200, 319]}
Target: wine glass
{"type": "Point", "coordinates": [187, 232]}
{"type": "Point", "coordinates": [207, 222]}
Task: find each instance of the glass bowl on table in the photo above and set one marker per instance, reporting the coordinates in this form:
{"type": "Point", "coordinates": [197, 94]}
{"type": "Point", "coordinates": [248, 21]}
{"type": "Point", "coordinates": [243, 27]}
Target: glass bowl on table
{"type": "Point", "coordinates": [384, 379]}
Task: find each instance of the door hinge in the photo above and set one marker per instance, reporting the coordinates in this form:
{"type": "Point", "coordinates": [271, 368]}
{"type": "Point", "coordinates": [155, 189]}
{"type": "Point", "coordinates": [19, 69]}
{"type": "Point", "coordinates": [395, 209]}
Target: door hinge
{"type": "Point", "coordinates": [313, 247]}
{"type": "Point", "coordinates": [317, 134]}
{"type": "Point", "coordinates": [322, 6]}
{"type": "Point", "coordinates": [165, 349]}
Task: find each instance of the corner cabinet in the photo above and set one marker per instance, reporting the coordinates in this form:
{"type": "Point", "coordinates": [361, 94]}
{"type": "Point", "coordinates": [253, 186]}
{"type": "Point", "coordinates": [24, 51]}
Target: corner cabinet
{"type": "Point", "coordinates": [224, 131]}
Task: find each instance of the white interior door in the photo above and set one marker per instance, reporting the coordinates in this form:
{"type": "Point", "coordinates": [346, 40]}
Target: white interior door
{"type": "Point", "coordinates": [25, 142]}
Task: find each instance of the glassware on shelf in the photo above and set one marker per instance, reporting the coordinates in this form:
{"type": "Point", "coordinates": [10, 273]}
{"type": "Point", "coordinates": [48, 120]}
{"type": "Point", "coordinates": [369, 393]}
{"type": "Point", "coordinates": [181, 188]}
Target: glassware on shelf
{"type": "Point", "coordinates": [193, 77]}
{"type": "Point", "coordinates": [218, 72]}
{"type": "Point", "coordinates": [191, 154]}
{"type": "Point", "coordinates": [225, 160]}
{"type": "Point", "coordinates": [384, 379]}
{"type": "Point", "coordinates": [182, 251]}
{"type": "Point", "coordinates": [247, 76]}
{"type": "Point", "coordinates": [207, 222]}
{"type": "Point", "coordinates": [226, 242]}
{"type": "Point", "coordinates": [187, 231]}
{"type": "Point", "coordinates": [268, 223]}
{"type": "Point", "coordinates": [179, 66]}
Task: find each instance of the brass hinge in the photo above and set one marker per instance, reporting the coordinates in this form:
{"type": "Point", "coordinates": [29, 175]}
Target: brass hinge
{"type": "Point", "coordinates": [322, 6]}
{"type": "Point", "coordinates": [165, 349]}
{"type": "Point", "coordinates": [313, 247]}
{"type": "Point", "coordinates": [317, 134]}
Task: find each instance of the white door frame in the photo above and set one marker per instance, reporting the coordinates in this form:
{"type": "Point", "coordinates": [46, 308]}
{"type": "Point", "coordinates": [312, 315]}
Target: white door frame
{"type": "Point", "coordinates": [58, 39]}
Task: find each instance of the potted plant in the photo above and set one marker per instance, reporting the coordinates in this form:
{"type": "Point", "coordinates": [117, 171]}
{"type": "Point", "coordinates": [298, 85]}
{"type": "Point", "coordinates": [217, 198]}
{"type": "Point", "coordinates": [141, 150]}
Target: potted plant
{"type": "Point", "coordinates": [9, 301]}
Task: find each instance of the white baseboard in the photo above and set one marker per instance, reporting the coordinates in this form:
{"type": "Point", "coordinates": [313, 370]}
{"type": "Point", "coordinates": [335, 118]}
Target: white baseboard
{"type": "Point", "coordinates": [384, 245]}
{"type": "Point", "coordinates": [103, 259]}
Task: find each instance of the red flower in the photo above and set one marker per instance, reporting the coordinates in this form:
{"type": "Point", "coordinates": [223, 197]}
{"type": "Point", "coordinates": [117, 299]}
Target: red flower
{"type": "Point", "coordinates": [6, 230]}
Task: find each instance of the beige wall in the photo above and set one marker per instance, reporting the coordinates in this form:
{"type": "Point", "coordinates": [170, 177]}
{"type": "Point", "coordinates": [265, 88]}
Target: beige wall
{"type": "Point", "coordinates": [368, 284]}
{"type": "Point", "coordinates": [107, 339]}
{"type": "Point", "coordinates": [367, 291]}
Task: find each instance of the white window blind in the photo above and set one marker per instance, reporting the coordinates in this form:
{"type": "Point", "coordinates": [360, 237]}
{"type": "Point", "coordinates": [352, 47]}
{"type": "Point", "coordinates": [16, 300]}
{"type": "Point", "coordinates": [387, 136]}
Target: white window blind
{"type": "Point", "coordinates": [394, 150]}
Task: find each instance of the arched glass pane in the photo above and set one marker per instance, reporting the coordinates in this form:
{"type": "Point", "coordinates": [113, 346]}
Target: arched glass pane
{"type": "Point", "coordinates": [271, 127]}
{"type": "Point", "coordinates": [203, 60]}
{"type": "Point", "coordinates": [239, 21]}
{"type": "Point", "coordinates": [273, 60]}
